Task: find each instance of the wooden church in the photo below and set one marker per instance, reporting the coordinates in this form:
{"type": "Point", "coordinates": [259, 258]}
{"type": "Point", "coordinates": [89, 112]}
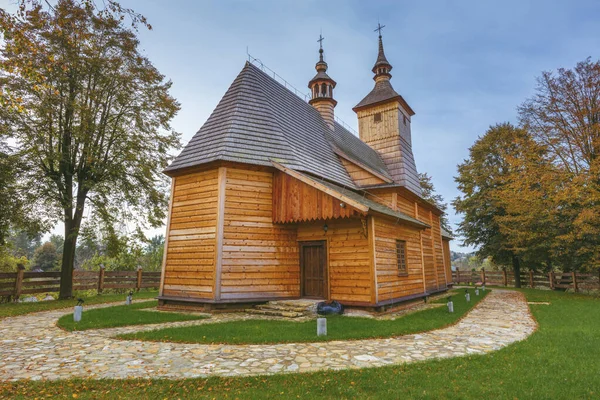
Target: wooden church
{"type": "Point", "coordinates": [273, 199]}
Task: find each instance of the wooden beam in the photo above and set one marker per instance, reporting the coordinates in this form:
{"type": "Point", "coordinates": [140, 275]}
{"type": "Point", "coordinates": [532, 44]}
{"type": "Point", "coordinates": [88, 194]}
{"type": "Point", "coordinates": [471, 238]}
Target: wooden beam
{"type": "Point", "coordinates": [221, 184]}
{"type": "Point", "coordinates": [321, 187]}
{"type": "Point", "coordinates": [373, 258]}
{"type": "Point", "coordinates": [437, 279]}
{"type": "Point", "coordinates": [164, 262]}
{"type": "Point", "coordinates": [421, 247]}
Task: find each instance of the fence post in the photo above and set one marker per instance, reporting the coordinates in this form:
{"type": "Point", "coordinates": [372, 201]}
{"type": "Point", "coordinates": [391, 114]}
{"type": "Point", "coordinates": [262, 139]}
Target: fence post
{"type": "Point", "coordinates": [101, 279]}
{"type": "Point", "coordinates": [551, 279]}
{"type": "Point", "coordinates": [531, 279]}
{"type": "Point", "coordinates": [574, 275]}
{"type": "Point", "coordinates": [483, 275]}
{"type": "Point", "coordinates": [504, 276]}
{"type": "Point", "coordinates": [138, 286]}
{"type": "Point", "coordinates": [19, 281]}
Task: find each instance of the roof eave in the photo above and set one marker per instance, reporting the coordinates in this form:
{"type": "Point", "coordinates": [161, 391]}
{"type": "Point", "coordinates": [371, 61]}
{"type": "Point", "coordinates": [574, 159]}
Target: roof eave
{"type": "Point", "coordinates": [398, 98]}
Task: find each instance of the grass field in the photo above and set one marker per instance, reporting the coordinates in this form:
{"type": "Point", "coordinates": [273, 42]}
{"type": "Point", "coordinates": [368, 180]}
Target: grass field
{"type": "Point", "coordinates": [560, 361]}
{"type": "Point", "coordinates": [122, 315]}
{"type": "Point", "coordinates": [338, 327]}
{"type": "Point", "coordinates": [14, 309]}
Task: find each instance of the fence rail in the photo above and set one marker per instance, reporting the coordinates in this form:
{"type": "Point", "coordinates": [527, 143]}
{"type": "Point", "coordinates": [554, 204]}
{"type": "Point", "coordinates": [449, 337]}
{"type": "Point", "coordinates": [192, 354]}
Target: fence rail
{"type": "Point", "coordinates": [531, 279]}
{"type": "Point", "coordinates": [15, 284]}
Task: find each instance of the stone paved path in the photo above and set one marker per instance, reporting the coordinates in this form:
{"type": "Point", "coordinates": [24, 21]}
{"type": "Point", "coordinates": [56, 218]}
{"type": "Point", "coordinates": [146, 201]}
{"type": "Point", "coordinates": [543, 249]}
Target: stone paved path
{"type": "Point", "coordinates": [32, 347]}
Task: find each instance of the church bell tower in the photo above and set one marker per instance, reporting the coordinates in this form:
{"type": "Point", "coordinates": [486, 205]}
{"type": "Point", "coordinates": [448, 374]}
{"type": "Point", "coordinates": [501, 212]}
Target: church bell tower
{"type": "Point", "coordinates": [321, 89]}
{"type": "Point", "coordinates": [384, 124]}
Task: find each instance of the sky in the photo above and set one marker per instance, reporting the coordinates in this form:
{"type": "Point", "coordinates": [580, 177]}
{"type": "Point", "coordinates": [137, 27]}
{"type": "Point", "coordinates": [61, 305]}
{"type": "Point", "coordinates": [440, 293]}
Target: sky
{"type": "Point", "coordinates": [461, 65]}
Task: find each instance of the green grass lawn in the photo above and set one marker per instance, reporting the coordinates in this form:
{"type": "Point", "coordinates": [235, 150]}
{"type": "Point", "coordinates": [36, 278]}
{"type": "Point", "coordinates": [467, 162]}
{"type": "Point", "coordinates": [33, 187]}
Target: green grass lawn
{"type": "Point", "coordinates": [338, 327]}
{"type": "Point", "coordinates": [14, 309]}
{"type": "Point", "coordinates": [123, 315]}
{"type": "Point", "coordinates": [560, 361]}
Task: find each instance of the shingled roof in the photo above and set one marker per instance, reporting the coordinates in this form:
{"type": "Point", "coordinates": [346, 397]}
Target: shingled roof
{"type": "Point", "coordinates": [382, 92]}
{"type": "Point", "coordinates": [259, 120]}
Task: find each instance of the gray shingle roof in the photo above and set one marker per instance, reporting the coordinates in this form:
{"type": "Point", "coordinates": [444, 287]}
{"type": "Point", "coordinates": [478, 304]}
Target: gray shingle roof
{"type": "Point", "coordinates": [381, 60]}
{"type": "Point", "coordinates": [383, 91]}
{"type": "Point", "coordinates": [258, 119]}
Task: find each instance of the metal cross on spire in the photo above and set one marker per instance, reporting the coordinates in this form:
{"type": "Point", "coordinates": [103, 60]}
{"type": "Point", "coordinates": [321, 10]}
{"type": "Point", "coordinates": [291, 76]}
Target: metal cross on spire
{"type": "Point", "coordinates": [321, 38]}
{"type": "Point", "coordinates": [379, 28]}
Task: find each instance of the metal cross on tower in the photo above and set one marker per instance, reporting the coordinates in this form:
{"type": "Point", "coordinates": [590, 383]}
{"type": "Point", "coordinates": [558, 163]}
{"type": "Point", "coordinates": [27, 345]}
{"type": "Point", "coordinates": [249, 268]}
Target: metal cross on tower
{"type": "Point", "coordinates": [321, 38]}
{"type": "Point", "coordinates": [379, 28]}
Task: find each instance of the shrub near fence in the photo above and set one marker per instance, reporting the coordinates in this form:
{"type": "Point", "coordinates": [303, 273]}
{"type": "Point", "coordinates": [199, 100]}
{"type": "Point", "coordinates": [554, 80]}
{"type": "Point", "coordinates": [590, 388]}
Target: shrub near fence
{"type": "Point", "coordinates": [15, 284]}
{"type": "Point", "coordinates": [553, 280]}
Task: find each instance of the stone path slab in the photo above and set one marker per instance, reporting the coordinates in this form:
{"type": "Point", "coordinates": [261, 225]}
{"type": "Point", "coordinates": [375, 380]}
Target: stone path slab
{"type": "Point", "coordinates": [32, 347]}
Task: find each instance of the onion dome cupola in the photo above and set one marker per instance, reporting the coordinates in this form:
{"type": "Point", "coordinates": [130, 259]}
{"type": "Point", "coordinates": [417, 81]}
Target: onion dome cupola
{"type": "Point", "coordinates": [321, 89]}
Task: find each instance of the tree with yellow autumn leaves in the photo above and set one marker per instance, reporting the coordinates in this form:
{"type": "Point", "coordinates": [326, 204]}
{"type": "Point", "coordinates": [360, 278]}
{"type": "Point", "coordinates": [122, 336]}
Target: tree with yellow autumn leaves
{"type": "Point", "coordinates": [531, 194]}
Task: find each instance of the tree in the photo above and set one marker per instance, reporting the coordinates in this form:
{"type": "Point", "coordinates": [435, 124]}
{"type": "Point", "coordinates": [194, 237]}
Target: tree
{"type": "Point", "coordinates": [90, 113]}
{"type": "Point", "coordinates": [429, 194]}
{"type": "Point", "coordinates": [480, 178]}
{"type": "Point", "coordinates": [24, 244]}
{"type": "Point", "coordinates": [16, 206]}
{"type": "Point", "coordinates": [564, 116]}
{"type": "Point", "coordinates": [46, 256]}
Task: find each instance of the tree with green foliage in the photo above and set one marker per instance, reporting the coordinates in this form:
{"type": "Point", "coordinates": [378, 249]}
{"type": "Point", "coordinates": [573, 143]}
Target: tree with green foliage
{"type": "Point", "coordinates": [17, 208]}
{"type": "Point", "coordinates": [480, 178]}
{"type": "Point", "coordinates": [46, 257]}
{"type": "Point", "coordinates": [429, 194]}
{"type": "Point", "coordinates": [90, 113]}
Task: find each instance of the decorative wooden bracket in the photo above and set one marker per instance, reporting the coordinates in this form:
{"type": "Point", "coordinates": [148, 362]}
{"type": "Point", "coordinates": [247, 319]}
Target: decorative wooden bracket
{"type": "Point", "coordinates": [363, 222]}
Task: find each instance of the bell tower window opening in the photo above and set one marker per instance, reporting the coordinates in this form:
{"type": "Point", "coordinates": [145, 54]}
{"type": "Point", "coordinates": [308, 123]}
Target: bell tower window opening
{"type": "Point", "coordinates": [377, 117]}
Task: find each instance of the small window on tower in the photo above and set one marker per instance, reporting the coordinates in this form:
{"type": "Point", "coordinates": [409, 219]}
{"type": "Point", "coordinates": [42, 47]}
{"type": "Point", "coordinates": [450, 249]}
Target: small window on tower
{"type": "Point", "coordinates": [404, 119]}
{"type": "Point", "coordinates": [377, 117]}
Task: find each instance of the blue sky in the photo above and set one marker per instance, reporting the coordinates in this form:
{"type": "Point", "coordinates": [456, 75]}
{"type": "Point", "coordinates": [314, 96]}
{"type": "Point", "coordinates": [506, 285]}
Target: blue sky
{"type": "Point", "coordinates": [462, 66]}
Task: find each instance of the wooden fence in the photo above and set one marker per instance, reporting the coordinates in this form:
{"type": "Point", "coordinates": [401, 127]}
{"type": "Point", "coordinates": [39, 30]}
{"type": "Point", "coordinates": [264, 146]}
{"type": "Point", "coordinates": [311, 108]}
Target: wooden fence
{"type": "Point", "coordinates": [552, 280]}
{"type": "Point", "coordinates": [15, 284]}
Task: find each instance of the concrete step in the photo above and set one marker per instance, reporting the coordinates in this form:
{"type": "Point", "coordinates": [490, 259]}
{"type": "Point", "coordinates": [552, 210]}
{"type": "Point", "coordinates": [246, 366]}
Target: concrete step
{"type": "Point", "coordinates": [276, 307]}
{"type": "Point", "coordinates": [275, 313]}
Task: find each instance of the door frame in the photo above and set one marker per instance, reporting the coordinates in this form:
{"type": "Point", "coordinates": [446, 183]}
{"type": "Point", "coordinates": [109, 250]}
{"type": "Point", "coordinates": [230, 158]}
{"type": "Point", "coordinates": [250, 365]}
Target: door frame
{"type": "Point", "coordinates": [325, 244]}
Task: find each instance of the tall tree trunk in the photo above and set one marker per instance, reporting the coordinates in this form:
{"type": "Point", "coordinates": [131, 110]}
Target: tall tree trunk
{"type": "Point", "coordinates": [517, 271]}
{"type": "Point", "coordinates": [68, 259]}
{"type": "Point", "coordinates": [72, 225]}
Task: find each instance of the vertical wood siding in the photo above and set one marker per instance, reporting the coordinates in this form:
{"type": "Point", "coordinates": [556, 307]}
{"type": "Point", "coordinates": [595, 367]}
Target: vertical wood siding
{"type": "Point", "coordinates": [295, 201]}
{"type": "Point", "coordinates": [260, 258]}
{"type": "Point", "coordinates": [348, 256]}
{"type": "Point", "coordinates": [390, 284]}
{"type": "Point", "coordinates": [190, 258]}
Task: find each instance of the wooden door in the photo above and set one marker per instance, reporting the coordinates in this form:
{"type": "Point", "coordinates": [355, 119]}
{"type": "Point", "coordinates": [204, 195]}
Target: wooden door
{"type": "Point", "coordinates": [313, 266]}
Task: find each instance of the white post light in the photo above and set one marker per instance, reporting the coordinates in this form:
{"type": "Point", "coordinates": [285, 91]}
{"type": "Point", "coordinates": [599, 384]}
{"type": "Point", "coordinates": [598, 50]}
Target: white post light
{"type": "Point", "coordinates": [476, 291]}
{"type": "Point", "coordinates": [467, 296]}
{"type": "Point", "coordinates": [450, 305]}
{"type": "Point", "coordinates": [78, 310]}
{"type": "Point", "coordinates": [129, 298]}
{"type": "Point", "coordinates": [321, 326]}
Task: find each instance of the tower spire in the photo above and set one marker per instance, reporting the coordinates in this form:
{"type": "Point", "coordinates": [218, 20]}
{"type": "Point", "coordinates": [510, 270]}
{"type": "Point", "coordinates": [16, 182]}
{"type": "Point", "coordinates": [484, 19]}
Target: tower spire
{"type": "Point", "coordinates": [382, 67]}
{"type": "Point", "coordinates": [321, 88]}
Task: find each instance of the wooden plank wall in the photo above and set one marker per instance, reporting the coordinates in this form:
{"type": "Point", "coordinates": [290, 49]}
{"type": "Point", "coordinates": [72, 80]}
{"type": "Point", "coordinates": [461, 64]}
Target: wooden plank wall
{"type": "Point", "coordinates": [260, 258]}
{"type": "Point", "coordinates": [360, 176]}
{"type": "Point", "coordinates": [439, 251]}
{"type": "Point", "coordinates": [389, 284]}
{"type": "Point", "coordinates": [190, 256]}
{"type": "Point", "coordinates": [350, 276]}
{"type": "Point", "coordinates": [436, 276]}
{"type": "Point", "coordinates": [431, 280]}
{"type": "Point", "coordinates": [295, 201]}
{"type": "Point", "coordinates": [447, 261]}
